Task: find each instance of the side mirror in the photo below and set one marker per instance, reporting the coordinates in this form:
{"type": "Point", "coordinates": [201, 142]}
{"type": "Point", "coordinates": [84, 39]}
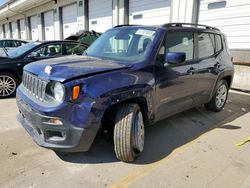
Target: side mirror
{"type": "Point", "coordinates": [173, 58]}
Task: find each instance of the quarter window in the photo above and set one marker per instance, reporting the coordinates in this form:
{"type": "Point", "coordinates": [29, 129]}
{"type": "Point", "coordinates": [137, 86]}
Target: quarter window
{"type": "Point", "coordinates": [218, 43]}
{"type": "Point", "coordinates": [181, 42]}
{"type": "Point", "coordinates": [205, 45]}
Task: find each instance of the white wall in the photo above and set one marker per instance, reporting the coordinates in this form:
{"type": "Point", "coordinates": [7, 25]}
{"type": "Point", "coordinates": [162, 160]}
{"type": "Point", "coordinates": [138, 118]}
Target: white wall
{"type": "Point", "coordinates": [148, 12]}
{"type": "Point", "coordinates": [1, 31]}
{"type": "Point", "coordinates": [182, 10]}
{"type": "Point", "coordinates": [44, 8]}
{"type": "Point", "coordinates": [233, 20]}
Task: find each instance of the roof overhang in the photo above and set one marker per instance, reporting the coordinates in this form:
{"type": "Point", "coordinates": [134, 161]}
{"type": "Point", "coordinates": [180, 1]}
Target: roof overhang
{"type": "Point", "coordinates": [15, 7]}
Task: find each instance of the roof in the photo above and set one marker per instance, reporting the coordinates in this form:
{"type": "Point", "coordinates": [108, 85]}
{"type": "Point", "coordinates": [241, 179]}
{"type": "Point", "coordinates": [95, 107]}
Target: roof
{"type": "Point", "coordinates": [16, 40]}
{"type": "Point", "coordinates": [189, 26]}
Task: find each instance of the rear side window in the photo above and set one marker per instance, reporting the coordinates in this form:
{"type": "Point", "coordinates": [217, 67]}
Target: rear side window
{"type": "Point", "coordinates": [205, 45]}
{"type": "Point", "coordinates": [73, 48]}
{"type": "Point", "coordinates": [218, 43]}
{"type": "Point", "coordinates": [15, 44]}
{"type": "Point", "coordinates": [181, 42]}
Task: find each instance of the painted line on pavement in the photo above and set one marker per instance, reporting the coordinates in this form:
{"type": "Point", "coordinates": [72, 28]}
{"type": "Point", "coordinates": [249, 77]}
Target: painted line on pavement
{"type": "Point", "coordinates": [143, 171]}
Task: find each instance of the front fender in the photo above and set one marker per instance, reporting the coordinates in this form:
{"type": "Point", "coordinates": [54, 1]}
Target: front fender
{"type": "Point", "coordinates": [111, 88]}
{"type": "Point", "coordinates": [121, 95]}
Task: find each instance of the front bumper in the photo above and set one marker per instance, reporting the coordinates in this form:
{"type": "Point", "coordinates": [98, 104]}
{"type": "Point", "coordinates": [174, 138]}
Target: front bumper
{"type": "Point", "coordinates": [65, 137]}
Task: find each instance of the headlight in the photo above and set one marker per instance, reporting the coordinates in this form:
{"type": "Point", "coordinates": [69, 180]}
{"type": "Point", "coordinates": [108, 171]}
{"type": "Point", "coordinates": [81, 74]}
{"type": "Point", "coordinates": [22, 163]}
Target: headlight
{"type": "Point", "coordinates": [55, 91]}
{"type": "Point", "coordinates": [59, 92]}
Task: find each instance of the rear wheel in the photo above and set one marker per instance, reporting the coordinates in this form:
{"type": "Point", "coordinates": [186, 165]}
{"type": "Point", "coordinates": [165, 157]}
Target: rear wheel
{"type": "Point", "coordinates": [219, 99]}
{"type": "Point", "coordinates": [128, 132]}
{"type": "Point", "coordinates": [8, 85]}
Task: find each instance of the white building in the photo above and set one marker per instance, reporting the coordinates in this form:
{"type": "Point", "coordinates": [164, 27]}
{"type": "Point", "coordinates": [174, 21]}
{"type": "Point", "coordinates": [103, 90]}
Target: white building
{"type": "Point", "coordinates": [57, 19]}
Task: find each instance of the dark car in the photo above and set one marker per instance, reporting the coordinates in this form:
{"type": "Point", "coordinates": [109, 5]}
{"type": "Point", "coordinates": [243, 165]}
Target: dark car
{"type": "Point", "coordinates": [11, 44]}
{"type": "Point", "coordinates": [11, 67]}
{"type": "Point", "coordinates": [84, 37]}
{"type": "Point", "coordinates": [130, 77]}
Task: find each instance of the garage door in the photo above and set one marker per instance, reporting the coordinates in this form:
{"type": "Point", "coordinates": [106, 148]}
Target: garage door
{"type": "Point", "coordinates": [100, 15]}
{"type": "Point", "coordinates": [49, 25]}
{"type": "Point", "coordinates": [22, 29]}
{"type": "Point", "coordinates": [34, 28]}
{"type": "Point", "coordinates": [7, 31]}
{"type": "Point", "coordinates": [231, 16]}
{"type": "Point", "coordinates": [148, 12]}
{"type": "Point", "coordinates": [1, 32]}
{"type": "Point", "coordinates": [14, 30]}
{"type": "Point", "coordinates": [69, 19]}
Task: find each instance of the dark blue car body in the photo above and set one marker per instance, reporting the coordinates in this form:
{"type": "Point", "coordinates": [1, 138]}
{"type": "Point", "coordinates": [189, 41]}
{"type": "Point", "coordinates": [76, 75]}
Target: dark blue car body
{"type": "Point", "coordinates": [160, 91]}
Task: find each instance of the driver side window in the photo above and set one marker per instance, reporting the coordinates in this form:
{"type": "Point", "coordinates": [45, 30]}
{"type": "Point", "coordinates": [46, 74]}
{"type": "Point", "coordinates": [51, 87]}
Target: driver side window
{"type": "Point", "coordinates": [181, 42]}
{"type": "Point", "coordinates": [51, 50]}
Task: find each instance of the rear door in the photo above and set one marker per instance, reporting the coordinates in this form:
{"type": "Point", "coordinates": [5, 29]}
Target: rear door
{"type": "Point", "coordinates": [69, 19]}
{"type": "Point", "coordinates": [14, 30]}
{"type": "Point", "coordinates": [22, 29]}
{"type": "Point", "coordinates": [100, 15]}
{"type": "Point", "coordinates": [176, 84]}
{"type": "Point", "coordinates": [209, 64]}
{"type": "Point", "coordinates": [34, 28]}
{"type": "Point", "coordinates": [49, 25]}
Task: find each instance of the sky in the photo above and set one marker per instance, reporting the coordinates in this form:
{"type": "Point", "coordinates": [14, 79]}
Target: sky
{"type": "Point", "coordinates": [2, 2]}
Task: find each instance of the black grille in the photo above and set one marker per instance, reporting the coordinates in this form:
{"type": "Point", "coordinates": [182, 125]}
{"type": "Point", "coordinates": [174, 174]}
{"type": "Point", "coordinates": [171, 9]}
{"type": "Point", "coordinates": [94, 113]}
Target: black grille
{"type": "Point", "coordinates": [34, 85]}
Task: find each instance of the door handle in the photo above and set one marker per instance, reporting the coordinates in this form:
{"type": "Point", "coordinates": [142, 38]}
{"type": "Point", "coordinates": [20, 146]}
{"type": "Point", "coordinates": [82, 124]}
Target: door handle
{"type": "Point", "coordinates": [191, 70]}
{"type": "Point", "coordinates": [217, 65]}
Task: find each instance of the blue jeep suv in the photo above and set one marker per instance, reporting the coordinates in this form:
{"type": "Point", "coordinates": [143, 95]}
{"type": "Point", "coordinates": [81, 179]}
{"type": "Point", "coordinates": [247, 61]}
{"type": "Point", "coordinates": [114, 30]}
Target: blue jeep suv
{"type": "Point", "coordinates": [130, 77]}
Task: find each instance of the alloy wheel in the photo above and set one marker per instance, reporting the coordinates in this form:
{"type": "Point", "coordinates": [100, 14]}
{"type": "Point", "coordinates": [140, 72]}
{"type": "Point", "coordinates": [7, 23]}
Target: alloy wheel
{"type": "Point", "coordinates": [7, 86]}
{"type": "Point", "coordinates": [139, 132]}
{"type": "Point", "coordinates": [221, 96]}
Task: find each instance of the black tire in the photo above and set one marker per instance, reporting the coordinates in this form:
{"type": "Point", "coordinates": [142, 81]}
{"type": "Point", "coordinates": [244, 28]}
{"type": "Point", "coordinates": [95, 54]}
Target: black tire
{"type": "Point", "coordinates": [128, 120]}
{"type": "Point", "coordinates": [212, 105]}
{"type": "Point", "coordinates": [14, 82]}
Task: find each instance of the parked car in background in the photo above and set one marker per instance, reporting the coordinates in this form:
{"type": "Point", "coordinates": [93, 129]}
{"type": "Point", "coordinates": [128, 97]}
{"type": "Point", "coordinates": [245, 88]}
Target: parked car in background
{"type": "Point", "coordinates": [130, 77]}
{"type": "Point", "coordinates": [11, 67]}
{"type": "Point", "coordinates": [11, 44]}
{"type": "Point", "coordinates": [85, 37]}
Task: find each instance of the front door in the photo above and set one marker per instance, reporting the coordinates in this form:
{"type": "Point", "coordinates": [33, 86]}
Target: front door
{"type": "Point", "coordinates": [175, 84]}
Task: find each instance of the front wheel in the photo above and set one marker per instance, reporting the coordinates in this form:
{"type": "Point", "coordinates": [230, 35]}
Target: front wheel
{"type": "Point", "coordinates": [8, 85]}
{"type": "Point", "coordinates": [128, 132]}
{"type": "Point", "coordinates": [219, 99]}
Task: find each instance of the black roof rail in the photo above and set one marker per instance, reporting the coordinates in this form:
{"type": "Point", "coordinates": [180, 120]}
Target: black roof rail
{"type": "Point", "coordinates": [124, 25]}
{"type": "Point", "coordinates": [189, 24]}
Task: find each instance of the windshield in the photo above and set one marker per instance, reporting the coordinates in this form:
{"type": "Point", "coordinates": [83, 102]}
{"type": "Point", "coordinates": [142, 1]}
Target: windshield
{"type": "Point", "coordinates": [22, 49]}
{"type": "Point", "coordinates": [123, 44]}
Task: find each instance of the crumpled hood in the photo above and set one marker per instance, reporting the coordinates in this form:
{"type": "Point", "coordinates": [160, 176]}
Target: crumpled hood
{"type": "Point", "coordinates": [64, 68]}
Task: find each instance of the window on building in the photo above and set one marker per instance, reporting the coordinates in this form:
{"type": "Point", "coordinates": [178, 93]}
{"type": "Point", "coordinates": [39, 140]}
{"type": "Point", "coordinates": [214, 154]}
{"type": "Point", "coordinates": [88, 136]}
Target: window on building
{"type": "Point", "coordinates": [205, 45]}
{"type": "Point", "coordinates": [215, 5]}
{"type": "Point", "coordinates": [181, 42]}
